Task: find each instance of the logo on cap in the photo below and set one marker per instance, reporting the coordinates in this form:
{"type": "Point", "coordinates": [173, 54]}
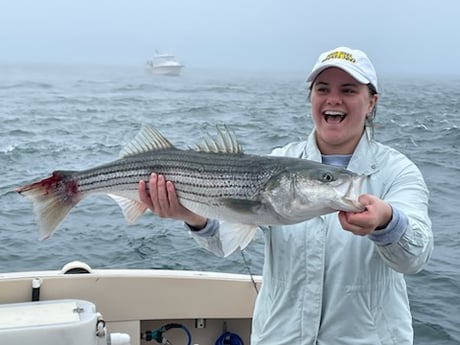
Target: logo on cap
{"type": "Point", "coordinates": [341, 55]}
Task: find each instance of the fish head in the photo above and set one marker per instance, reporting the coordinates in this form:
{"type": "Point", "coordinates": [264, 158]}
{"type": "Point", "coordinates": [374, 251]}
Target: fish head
{"type": "Point", "coordinates": [310, 189]}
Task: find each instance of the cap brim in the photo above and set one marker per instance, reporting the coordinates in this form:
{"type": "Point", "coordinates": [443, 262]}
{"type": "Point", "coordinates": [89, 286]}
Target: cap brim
{"type": "Point", "coordinates": [347, 68]}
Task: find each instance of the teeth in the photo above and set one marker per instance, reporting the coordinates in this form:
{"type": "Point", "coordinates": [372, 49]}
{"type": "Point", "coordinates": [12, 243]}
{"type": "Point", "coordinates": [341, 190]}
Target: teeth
{"type": "Point", "coordinates": [334, 113]}
{"type": "Point", "coordinates": [331, 114]}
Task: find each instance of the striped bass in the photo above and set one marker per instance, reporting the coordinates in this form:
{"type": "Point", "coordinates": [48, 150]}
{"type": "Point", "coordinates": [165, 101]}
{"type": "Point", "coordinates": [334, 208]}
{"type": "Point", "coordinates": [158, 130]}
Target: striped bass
{"type": "Point", "coordinates": [215, 179]}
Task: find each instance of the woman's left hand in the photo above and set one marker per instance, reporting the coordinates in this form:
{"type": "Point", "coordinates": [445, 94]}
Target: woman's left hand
{"type": "Point", "coordinates": [377, 214]}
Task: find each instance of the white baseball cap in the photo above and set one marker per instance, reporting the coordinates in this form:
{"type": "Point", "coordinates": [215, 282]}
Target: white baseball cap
{"type": "Point", "coordinates": [353, 61]}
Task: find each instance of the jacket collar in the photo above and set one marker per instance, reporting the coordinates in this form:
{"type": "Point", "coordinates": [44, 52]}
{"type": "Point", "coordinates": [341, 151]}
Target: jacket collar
{"type": "Point", "coordinates": [363, 160]}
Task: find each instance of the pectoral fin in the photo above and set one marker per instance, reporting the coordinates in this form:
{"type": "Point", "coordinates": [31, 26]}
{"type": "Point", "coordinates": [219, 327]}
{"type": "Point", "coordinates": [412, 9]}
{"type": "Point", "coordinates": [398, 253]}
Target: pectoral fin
{"type": "Point", "coordinates": [132, 209]}
{"type": "Point", "coordinates": [235, 236]}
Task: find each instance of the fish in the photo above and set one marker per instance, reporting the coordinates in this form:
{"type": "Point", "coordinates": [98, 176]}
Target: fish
{"type": "Point", "coordinates": [215, 179]}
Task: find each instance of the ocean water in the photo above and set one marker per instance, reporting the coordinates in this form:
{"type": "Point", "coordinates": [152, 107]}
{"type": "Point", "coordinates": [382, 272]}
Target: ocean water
{"type": "Point", "coordinates": [74, 117]}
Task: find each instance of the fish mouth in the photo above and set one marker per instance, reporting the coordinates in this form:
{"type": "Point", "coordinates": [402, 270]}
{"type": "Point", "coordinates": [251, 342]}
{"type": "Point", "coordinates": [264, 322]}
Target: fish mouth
{"type": "Point", "coordinates": [355, 192]}
{"type": "Point", "coordinates": [351, 193]}
{"type": "Point", "coordinates": [334, 116]}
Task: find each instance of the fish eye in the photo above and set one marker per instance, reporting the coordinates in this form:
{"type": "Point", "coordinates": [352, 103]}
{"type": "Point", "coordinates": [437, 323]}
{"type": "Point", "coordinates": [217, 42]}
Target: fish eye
{"type": "Point", "coordinates": [328, 177]}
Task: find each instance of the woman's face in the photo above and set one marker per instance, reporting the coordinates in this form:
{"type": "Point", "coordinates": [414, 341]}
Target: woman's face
{"type": "Point", "coordinates": [340, 105]}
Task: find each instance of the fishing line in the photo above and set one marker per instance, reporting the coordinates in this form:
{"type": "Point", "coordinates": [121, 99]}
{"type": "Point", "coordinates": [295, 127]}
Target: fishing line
{"type": "Point", "coordinates": [246, 264]}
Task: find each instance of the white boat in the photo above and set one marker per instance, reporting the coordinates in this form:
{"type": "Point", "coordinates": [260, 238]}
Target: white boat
{"type": "Point", "coordinates": [165, 64]}
{"type": "Point", "coordinates": [84, 306]}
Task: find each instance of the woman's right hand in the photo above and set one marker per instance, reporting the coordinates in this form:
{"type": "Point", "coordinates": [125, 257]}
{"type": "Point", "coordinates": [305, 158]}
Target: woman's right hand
{"type": "Point", "coordinates": [160, 197]}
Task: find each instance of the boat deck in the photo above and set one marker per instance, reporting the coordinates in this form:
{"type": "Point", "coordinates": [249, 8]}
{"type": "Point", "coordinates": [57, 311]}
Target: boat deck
{"type": "Point", "coordinates": [136, 301]}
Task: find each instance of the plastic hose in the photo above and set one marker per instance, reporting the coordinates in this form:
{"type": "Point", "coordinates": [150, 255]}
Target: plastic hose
{"type": "Point", "coordinates": [228, 338]}
{"type": "Point", "coordinates": [157, 334]}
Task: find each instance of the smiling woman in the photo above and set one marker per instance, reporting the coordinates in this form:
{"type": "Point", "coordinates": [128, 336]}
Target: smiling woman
{"type": "Point", "coordinates": [312, 264]}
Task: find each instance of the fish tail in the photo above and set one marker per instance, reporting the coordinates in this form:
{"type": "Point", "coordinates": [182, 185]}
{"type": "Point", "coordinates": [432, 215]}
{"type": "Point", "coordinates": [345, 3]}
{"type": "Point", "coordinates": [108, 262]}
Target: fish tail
{"type": "Point", "coordinates": [53, 198]}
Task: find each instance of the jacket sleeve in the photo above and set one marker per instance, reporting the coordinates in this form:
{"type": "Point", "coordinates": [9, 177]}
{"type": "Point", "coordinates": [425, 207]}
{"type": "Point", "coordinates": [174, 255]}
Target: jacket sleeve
{"type": "Point", "coordinates": [407, 192]}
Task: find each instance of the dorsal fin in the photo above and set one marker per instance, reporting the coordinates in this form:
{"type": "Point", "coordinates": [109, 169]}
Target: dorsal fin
{"type": "Point", "coordinates": [225, 142]}
{"type": "Point", "coordinates": [148, 139]}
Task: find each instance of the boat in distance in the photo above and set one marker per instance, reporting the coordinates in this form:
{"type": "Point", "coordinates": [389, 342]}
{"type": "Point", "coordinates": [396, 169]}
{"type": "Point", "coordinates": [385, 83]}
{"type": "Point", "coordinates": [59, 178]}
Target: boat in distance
{"type": "Point", "coordinates": [165, 64]}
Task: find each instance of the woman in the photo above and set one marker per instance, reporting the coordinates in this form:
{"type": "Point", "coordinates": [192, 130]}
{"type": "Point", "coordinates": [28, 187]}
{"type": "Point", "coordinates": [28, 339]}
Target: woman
{"type": "Point", "coordinates": [338, 278]}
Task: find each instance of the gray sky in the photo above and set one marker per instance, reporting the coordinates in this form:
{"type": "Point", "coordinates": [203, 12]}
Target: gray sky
{"type": "Point", "coordinates": [400, 36]}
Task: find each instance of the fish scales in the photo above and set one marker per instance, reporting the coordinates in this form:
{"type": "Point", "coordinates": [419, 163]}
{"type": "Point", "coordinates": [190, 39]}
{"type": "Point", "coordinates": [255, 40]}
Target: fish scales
{"type": "Point", "coordinates": [194, 173]}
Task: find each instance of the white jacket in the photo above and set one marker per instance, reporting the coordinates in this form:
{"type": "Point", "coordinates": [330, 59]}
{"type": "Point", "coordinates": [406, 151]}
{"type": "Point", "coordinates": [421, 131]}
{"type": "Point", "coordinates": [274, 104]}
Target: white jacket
{"type": "Point", "coordinates": [325, 286]}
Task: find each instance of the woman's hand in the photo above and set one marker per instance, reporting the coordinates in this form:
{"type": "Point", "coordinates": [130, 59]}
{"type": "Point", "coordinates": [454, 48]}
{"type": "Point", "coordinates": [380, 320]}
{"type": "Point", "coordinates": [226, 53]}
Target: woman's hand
{"type": "Point", "coordinates": [377, 214]}
{"type": "Point", "coordinates": [160, 197]}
